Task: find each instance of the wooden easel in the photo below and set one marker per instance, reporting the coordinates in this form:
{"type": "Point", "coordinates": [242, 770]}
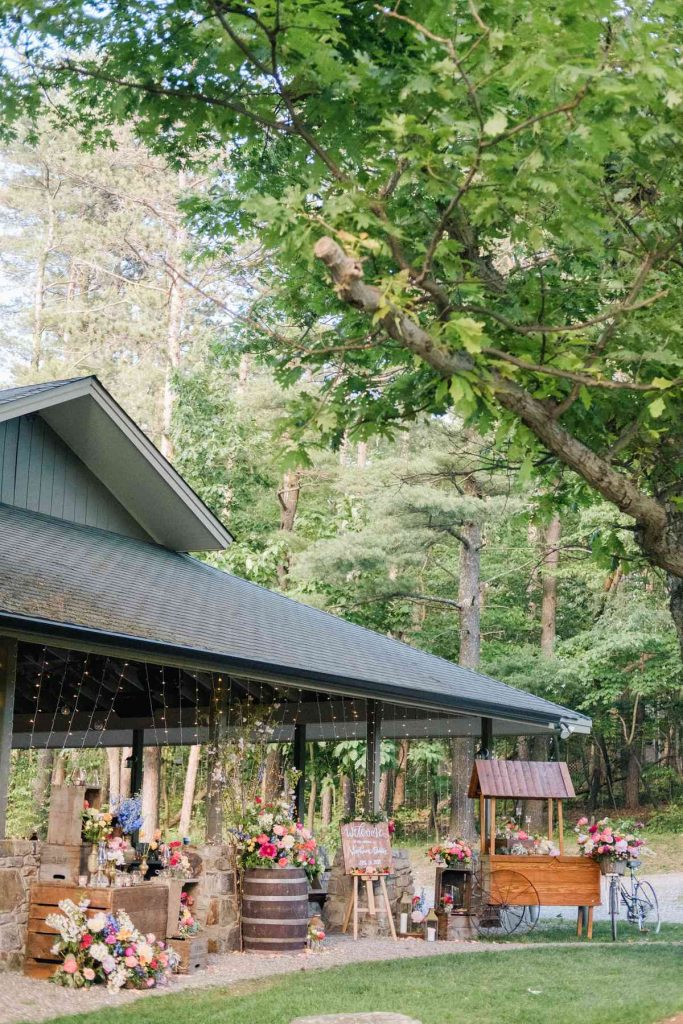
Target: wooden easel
{"type": "Point", "coordinates": [354, 909]}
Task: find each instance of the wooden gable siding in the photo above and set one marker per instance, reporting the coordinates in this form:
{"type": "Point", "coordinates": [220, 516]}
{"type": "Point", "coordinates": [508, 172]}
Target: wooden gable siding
{"type": "Point", "coordinates": [39, 472]}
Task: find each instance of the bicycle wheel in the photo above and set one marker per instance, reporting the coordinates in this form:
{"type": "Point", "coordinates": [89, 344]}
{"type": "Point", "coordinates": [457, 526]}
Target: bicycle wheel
{"type": "Point", "coordinates": [614, 904]}
{"type": "Point", "coordinates": [646, 908]}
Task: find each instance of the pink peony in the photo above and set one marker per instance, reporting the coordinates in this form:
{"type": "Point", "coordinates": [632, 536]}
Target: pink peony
{"type": "Point", "coordinates": [581, 822]}
{"type": "Point", "coordinates": [131, 961]}
{"type": "Point", "coordinates": [70, 966]}
{"type": "Point", "coordinates": [279, 830]}
{"type": "Point", "coordinates": [283, 862]}
{"type": "Point", "coordinates": [268, 851]}
{"type": "Point", "coordinates": [88, 974]}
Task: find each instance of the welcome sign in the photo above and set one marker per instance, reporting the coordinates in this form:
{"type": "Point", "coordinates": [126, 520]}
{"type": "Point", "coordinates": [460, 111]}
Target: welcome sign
{"type": "Point", "coordinates": [366, 847]}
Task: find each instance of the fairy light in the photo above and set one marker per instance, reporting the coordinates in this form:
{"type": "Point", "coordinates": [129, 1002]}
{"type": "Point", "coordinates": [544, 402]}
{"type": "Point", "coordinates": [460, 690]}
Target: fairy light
{"type": "Point", "coordinates": [117, 690]}
{"type": "Point", "coordinates": [96, 703]}
{"type": "Point", "coordinates": [36, 694]}
{"type": "Point", "coordinates": [77, 691]}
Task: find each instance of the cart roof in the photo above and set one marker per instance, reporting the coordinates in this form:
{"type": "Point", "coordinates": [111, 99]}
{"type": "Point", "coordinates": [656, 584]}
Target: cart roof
{"type": "Point", "coordinates": [535, 780]}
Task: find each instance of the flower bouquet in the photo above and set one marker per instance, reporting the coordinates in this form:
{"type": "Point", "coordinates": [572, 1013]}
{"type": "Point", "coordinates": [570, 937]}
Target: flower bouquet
{"type": "Point", "coordinates": [97, 824]}
{"type": "Point", "coordinates": [451, 853]}
{"type": "Point", "coordinates": [510, 838]}
{"type": "Point", "coordinates": [612, 846]}
{"type": "Point", "coordinates": [268, 837]}
{"type": "Point", "coordinates": [103, 949]}
{"type": "Point", "coordinates": [128, 814]}
{"type": "Point", "coordinates": [187, 925]}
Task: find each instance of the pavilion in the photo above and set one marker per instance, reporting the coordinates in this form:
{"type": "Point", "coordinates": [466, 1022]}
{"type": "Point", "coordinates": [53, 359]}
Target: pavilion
{"type": "Point", "coordinates": [111, 634]}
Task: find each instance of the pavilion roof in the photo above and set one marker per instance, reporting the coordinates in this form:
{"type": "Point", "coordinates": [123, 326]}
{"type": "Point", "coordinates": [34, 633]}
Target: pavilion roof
{"type": "Point", "coordinates": [79, 583]}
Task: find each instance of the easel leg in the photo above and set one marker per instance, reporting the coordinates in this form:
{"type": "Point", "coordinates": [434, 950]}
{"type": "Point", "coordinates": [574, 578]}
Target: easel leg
{"type": "Point", "coordinates": [372, 909]}
{"type": "Point", "coordinates": [355, 907]}
{"type": "Point", "coordinates": [387, 907]}
{"type": "Point", "coordinates": [579, 921]}
{"type": "Point", "coordinates": [589, 930]}
{"type": "Point", "coordinates": [348, 910]}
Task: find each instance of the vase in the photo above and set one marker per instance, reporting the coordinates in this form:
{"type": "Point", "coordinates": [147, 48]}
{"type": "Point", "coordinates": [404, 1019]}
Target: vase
{"type": "Point", "coordinates": [93, 860]}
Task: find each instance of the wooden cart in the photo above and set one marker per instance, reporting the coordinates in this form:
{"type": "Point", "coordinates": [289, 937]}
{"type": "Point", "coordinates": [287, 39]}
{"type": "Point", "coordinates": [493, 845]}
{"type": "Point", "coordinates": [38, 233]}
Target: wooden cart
{"type": "Point", "coordinates": [508, 890]}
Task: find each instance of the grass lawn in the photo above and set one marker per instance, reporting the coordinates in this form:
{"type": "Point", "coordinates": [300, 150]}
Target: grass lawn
{"type": "Point", "coordinates": [565, 931]}
{"type": "Point", "coordinates": [632, 984]}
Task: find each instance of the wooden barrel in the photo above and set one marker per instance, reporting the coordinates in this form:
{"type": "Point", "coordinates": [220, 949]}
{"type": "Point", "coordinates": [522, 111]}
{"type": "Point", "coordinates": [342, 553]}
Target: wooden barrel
{"type": "Point", "coordinates": [275, 910]}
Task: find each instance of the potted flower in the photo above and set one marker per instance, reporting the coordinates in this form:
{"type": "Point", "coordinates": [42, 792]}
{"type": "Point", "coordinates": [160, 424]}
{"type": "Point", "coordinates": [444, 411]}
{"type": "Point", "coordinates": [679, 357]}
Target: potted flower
{"type": "Point", "coordinates": [511, 838]}
{"type": "Point", "coordinates": [96, 829]}
{"type": "Point", "coordinates": [451, 853]}
{"type": "Point", "coordinates": [612, 846]}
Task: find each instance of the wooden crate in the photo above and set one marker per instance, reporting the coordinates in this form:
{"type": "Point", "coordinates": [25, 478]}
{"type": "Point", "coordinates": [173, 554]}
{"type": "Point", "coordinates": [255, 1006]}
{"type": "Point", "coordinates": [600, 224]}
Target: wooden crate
{"type": "Point", "coordinates": [562, 881]}
{"type": "Point", "coordinates": [59, 863]}
{"type": "Point", "coordinates": [147, 906]}
{"type": "Point", "coordinates": [66, 812]}
{"type": "Point", "coordinates": [460, 878]}
{"type": "Point", "coordinates": [193, 953]}
{"type": "Point", "coordinates": [176, 886]}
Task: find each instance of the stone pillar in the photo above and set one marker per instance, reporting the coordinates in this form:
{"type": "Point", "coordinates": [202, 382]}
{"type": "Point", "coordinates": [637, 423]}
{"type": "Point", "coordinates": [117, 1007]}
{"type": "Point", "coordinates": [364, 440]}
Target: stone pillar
{"type": "Point", "coordinates": [19, 861]}
{"type": "Point", "coordinates": [216, 902]}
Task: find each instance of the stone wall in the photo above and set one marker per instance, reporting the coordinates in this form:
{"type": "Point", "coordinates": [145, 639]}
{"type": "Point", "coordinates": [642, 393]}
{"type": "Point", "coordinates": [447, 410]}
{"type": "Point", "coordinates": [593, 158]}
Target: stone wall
{"type": "Point", "coordinates": [216, 900]}
{"type": "Point", "coordinates": [341, 886]}
{"type": "Point", "coordinates": [19, 860]}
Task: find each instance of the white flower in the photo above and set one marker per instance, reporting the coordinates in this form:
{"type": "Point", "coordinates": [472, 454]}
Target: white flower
{"type": "Point", "coordinates": [98, 951]}
{"type": "Point", "coordinates": [288, 842]}
{"type": "Point", "coordinates": [97, 922]}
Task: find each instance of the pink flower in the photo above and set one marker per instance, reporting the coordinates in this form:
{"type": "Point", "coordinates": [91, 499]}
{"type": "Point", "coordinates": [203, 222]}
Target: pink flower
{"type": "Point", "coordinates": [110, 939]}
{"type": "Point", "coordinates": [268, 851]}
{"type": "Point", "coordinates": [70, 966]}
{"type": "Point", "coordinates": [283, 862]}
{"type": "Point", "coordinates": [150, 983]}
{"type": "Point", "coordinates": [279, 830]}
{"type": "Point", "coordinates": [131, 961]}
{"type": "Point", "coordinates": [88, 974]}
{"type": "Point", "coordinates": [581, 822]}
{"type": "Point", "coordinates": [593, 829]}
{"type": "Point", "coordinates": [263, 838]}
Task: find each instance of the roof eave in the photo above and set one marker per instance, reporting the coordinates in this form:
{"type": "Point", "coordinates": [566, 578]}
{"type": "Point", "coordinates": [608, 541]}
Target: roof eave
{"type": "Point", "coordinates": [35, 629]}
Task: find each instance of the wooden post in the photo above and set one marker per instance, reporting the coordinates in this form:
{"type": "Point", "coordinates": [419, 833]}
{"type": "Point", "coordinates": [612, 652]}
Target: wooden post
{"type": "Point", "coordinates": [492, 826]}
{"type": "Point", "coordinates": [560, 824]}
{"type": "Point", "coordinates": [485, 752]}
{"type": "Point", "coordinates": [300, 765]}
{"type": "Point", "coordinates": [482, 823]}
{"type": "Point", "coordinates": [8, 676]}
{"type": "Point", "coordinates": [136, 760]}
{"type": "Point", "coordinates": [218, 720]}
{"type": "Point", "coordinates": [373, 756]}
{"type": "Point", "coordinates": [550, 819]}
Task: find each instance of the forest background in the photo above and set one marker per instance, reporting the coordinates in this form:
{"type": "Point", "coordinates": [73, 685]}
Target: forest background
{"type": "Point", "coordinates": [430, 533]}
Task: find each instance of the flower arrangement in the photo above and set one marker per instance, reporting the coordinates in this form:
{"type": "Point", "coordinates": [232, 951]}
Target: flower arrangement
{"type": "Point", "coordinates": [178, 862]}
{"type": "Point", "coordinates": [268, 837]}
{"type": "Point", "coordinates": [187, 925]}
{"type": "Point", "coordinates": [451, 853]}
{"type": "Point", "coordinates": [115, 850]}
{"type": "Point", "coordinates": [128, 814]}
{"type": "Point", "coordinates": [97, 824]}
{"type": "Point", "coordinates": [604, 840]}
{"type": "Point", "coordinates": [103, 949]}
{"type": "Point", "coordinates": [316, 933]}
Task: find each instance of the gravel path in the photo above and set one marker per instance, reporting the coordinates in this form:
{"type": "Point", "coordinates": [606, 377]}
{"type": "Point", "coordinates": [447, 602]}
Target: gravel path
{"type": "Point", "coordinates": [30, 1000]}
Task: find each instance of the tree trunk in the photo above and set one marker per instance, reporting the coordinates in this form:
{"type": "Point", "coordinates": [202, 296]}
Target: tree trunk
{"type": "Point", "coordinates": [41, 785]}
{"type": "Point", "coordinates": [151, 775]}
{"type": "Point", "coordinates": [549, 599]}
{"type": "Point", "coordinates": [124, 773]}
{"type": "Point", "coordinates": [312, 798]}
{"type": "Point", "coordinates": [633, 756]}
{"type": "Point", "coordinates": [176, 309]}
{"type": "Point", "coordinates": [326, 803]}
{"type": "Point", "coordinates": [271, 785]}
{"type": "Point", "coordinates": [462, 820]}
{"type": "Point", "coordinates": [401, 775]}
{"type": "Point", "coordinates": [114, 764]}
{"type": "Point", "coordinates": [41, 270]}
{"type": "Point", "coordinates": [59, 770]}
{"type": "Point", "coordinates": [384, 789]}
{"type": "Point", "coordinates": [188, 789]}
{"type": "Point", "coordinates": [348, 794]}
{"type": "Point", "coordinates": [288, 496]}
{"type": "Point", "coordinates": [362, 454]}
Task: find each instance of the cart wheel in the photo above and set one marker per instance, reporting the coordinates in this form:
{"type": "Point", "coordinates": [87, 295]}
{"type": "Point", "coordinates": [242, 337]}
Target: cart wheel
{"type": "Point", "coordinates": [508, 905]}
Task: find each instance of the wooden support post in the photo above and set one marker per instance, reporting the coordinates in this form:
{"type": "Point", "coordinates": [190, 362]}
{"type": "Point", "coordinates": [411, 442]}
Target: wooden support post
{"type": "Point", "coordinates": [560, 824]}
{"type": "Point", "coordinates": [387, 907]}
{"type": "Point", "coordinates": [136, 761]}
{"type": "Point", "coordinates": [373, 756]}
{"type": "Point", "coordinates": [550, 819]}
{"type": "Point", "coordinates": [218, 721]}
{"type": "Point", "coordinates": [492, 826]}
{"type": "Point", "coordinates": [355, 908]}
{"type": "Point", "coordinates": [486, 752]}
{"type": "Point", "coordinates": [300, 765]}
{"type": "Point", "coordinates": [482, 823]}
{"type": "Point", "coordinates": [8, 676]}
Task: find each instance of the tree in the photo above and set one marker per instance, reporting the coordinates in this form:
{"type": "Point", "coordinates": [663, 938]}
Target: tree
{"type": "Point", "coordinates": [506, 176]}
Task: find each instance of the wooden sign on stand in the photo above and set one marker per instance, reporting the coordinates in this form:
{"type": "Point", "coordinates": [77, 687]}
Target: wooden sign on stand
{"type": "Point", "coordinates": [366, 848]}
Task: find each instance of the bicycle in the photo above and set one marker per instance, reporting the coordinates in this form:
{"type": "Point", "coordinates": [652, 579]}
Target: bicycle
{"type": "Point", "coordinates": [640, 901]}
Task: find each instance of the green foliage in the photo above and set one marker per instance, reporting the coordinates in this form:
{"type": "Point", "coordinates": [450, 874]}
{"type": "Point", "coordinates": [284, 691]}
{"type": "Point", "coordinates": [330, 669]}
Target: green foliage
{"type": "Point", "coordinates": [667, 819]}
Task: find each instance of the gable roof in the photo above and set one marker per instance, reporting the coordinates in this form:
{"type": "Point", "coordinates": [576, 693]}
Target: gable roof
{"type": "Point", "coordinates": [531, 780]}
{"type": "Point", "coordinates": [86, 417]}
{"type": "Point", "coordinates": [67, 580]}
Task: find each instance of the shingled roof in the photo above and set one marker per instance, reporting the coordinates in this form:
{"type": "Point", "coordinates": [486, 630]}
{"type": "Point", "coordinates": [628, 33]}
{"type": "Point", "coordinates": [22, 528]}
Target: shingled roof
{"type": "Point", "coordinates": [68, 580]}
